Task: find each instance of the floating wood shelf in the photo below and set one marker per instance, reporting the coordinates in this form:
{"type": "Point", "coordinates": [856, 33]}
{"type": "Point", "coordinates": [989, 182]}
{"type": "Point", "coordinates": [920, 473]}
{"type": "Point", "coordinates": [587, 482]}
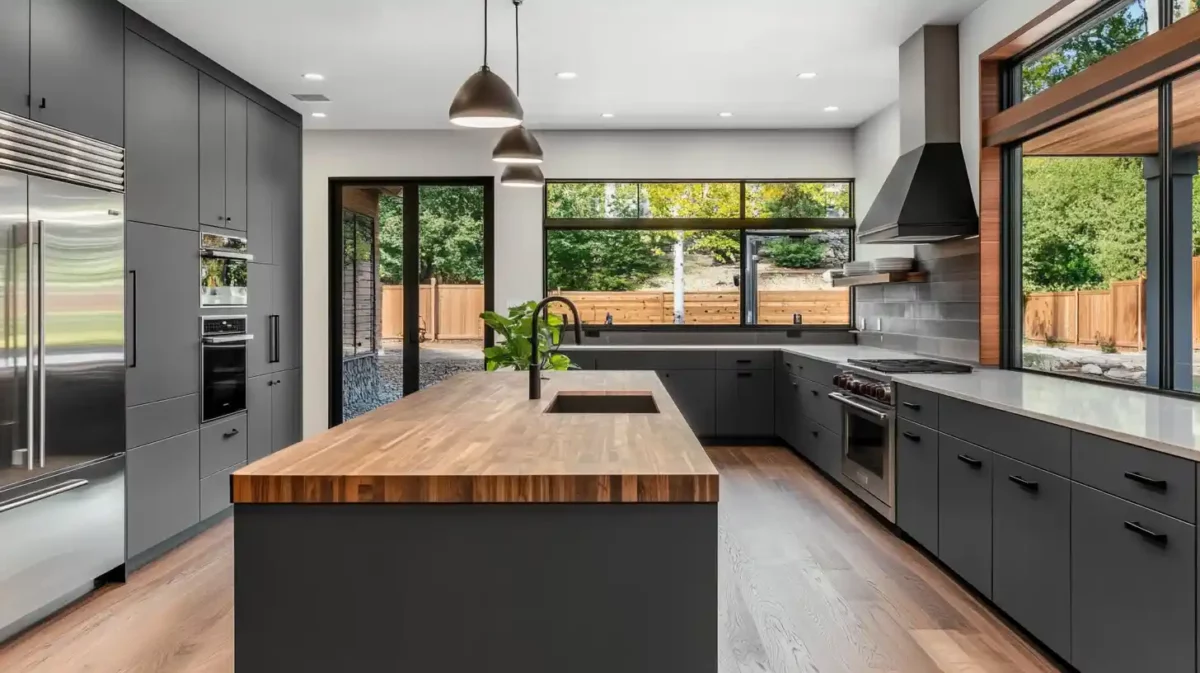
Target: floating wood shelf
{"type": "Point", "coordinates": [882, 278]}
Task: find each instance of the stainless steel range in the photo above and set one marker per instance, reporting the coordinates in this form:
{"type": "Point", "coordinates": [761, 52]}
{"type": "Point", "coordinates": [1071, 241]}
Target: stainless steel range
{"type": "Point", "coordinates": [869, 425]}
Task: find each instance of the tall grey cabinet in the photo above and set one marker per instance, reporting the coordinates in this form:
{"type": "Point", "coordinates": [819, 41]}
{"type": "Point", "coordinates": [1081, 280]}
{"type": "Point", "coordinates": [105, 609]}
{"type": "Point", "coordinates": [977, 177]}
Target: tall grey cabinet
{"type": "Point", "coordinates": [204, 152]}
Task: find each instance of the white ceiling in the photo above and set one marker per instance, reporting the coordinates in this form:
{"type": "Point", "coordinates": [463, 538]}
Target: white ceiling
{"type": "Point", "coordinates": [661, 64]}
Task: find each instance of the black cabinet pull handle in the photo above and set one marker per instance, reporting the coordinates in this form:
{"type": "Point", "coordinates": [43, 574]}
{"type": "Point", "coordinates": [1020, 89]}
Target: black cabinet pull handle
{"type": "Point", "coordinates": [973, 462]}
{"type": "Point", "coordinates": [795, 384]}
{"type": "Point", "coordinates": [1160, 538]}
{"type": "Point", "coordinates": [273, 321]}
{"type": "Point", "coordinates": [914, 407]}
{"type": "Point", "coordinates": [43, 105]}
{"type": "Point", "coordinates": [815, 393]}
{"type": "Point", "coordinates": [912, 435]}
{"type": "Point", "coordinates": [270, 383]}
{"type": "Point", "coordinates": [1023, 483]}
{"type": "Point", "coordinates": [744, 362]}
{"type": "Point", "coordinates": [231, 433]}
{"type": "Point", "coordinates": [133, 318]}
{"type": "Point", "coordinates": [1146, 481]}
{"type": "Point", "coordinates": [745, 375]}
{"type": "Point", "coordinates": [816, 433]}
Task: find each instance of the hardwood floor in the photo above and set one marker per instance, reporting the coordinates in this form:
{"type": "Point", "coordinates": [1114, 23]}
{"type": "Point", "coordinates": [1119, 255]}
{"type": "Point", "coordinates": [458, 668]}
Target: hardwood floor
{"type": "Point", "coordinates": [809, 582]}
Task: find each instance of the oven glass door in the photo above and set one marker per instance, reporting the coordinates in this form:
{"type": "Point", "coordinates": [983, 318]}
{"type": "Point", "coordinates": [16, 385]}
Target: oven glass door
{"type": "Point", "coordinates": [868, 451]}
{"type": "Point", "coordinates": [224, 369]}
{"type": "Point", "coordinates": [223, 281]}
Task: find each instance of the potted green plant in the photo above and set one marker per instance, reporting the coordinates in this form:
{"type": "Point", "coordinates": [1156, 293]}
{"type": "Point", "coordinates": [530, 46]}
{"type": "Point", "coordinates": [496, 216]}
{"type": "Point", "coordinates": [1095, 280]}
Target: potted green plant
{"type": "Point", "coordinates": [513, 347]}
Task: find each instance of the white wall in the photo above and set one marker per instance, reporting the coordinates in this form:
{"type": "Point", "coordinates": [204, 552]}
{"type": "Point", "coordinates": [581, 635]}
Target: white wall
{"type": "Point", "coordinates": [987, 25]}
{"type": "Point", "coordinates": [591, 154]}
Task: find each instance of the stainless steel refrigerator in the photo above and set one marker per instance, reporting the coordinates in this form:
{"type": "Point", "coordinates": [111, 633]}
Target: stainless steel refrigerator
{"type": "Point", "coordinates": [62, 367]}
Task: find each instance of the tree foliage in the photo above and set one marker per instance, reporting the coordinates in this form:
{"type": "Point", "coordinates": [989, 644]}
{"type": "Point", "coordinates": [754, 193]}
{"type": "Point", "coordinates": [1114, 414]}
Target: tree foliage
{"type": "Point", "coordinates": [796, 253]}
{"type": "Point", "coordinates": [1126, 26]}
{"type": "Point", "coordinates": [451, 236]}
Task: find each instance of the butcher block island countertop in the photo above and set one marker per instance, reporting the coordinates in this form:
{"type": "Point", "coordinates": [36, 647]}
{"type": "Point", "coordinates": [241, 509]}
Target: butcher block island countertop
{"type": "Point", "coordinates": [477, 438]}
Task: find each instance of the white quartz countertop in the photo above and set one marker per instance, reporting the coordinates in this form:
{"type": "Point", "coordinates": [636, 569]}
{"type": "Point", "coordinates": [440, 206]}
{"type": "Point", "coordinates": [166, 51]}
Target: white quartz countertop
{"type": "Point", "coordinates": [1154, 421]}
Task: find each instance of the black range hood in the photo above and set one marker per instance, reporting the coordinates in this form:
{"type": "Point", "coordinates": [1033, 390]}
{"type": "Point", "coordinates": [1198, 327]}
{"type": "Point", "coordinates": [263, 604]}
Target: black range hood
{"type": "Point", "coordinates": [927, 196]}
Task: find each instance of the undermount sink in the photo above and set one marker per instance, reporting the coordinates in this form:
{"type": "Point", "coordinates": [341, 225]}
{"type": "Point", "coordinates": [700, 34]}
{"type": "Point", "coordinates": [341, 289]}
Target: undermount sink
{"type": "Point", "coordinates": [615, 402]}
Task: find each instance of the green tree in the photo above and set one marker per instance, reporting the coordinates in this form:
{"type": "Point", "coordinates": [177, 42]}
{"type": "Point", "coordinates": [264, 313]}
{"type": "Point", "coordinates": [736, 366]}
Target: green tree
{"type": "Point", "coordinates": [796, 253]}
{"type": "Point", "coordinates": [451, 221]}
{"type": "Point", "coordinates": [605, 260]}
{"type": "Point", "coordinates": [1126, 26]}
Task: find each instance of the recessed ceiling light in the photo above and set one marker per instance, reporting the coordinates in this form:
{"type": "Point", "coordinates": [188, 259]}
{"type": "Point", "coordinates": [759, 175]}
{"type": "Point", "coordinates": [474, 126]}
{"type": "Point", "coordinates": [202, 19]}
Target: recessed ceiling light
{"type": "Point", "coordinates": [832, 108]}
{"type": "Point", "coordinates": [319, 115]}
{"type": "Point", "coordinates": [806, 75]}
{"type": "Point", "coordinates": [726, 114]}
{"type": "Point", "coordinates": [314, 76]}
{"type": "Point", "coordinates": [608, 115]}
{"type": "Point", "coordinates": [567, 75]}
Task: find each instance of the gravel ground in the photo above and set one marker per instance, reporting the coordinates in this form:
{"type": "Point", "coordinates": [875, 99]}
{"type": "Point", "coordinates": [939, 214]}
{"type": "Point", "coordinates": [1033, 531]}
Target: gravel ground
{"type": "Point", "coordinates": [391, 377]}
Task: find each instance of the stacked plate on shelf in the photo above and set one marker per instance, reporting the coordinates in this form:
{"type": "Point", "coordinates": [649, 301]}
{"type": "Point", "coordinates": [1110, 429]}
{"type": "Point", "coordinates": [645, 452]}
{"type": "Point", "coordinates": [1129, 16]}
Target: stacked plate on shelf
{"type": "Point", "coordinates": [857, 268]}
{"type": "Point", "coordinates": [892, 264]}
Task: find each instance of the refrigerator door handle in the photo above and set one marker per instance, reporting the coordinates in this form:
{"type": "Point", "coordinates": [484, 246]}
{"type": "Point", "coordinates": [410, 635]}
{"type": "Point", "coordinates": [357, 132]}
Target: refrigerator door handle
{"type": "Point", "coordinates": [43, 494]}
{"type": "Point", "coordinates": [41, 344]}
{"type": "Point", "coordinates": [29, 343]}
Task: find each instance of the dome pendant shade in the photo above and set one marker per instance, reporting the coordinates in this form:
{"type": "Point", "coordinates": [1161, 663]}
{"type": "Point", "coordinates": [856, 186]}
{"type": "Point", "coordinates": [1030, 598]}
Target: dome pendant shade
{"type": "Point", "coordinates": [522, 175]}
{"type": "Point", "coordinates": [485, 101]}
{"type": "Point", "coordinates": [517, 146]}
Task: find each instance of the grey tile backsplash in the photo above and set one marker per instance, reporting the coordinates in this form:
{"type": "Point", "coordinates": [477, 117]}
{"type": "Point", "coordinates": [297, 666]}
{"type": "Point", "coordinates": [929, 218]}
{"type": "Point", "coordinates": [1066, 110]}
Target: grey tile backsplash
{"type": "Point", "coordinates": [938, 318]}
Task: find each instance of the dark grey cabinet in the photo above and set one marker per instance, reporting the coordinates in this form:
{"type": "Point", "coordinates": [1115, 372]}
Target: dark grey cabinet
{"type": "Point", "coordinates": [917, 483]}
{"type": "Point", "coordinates": [261, 349]}
{"type": "Point", "coordinates": [1162, 482]}
{"type": "Point", "coordinates": [235, 161]}
{"type": "Point", "coordinates": [822, 446]}
{"type": "Point", "coordinates": [285, 410]}
{"type": "Point", "coordinates": [14, 54]}
{"type": "Point", "coordinates": [212, 152]}
{"type": "Point", "coordinates": [258, 416]}
{"type": "Point", "coordinates": [76, 66]}
{"type": "Point", "coordinates": [162, 491]}
{"type": "Point", "coordinates": [1133, 587]}
{"type": "Point", "coordinates": [787, 407]}
{"type": "Point", "coordinates": [286, 226]}
{"type": "Point", "coordinates": [1028, 440]}
{"type": "Point", "coordinates": [162, 313]}
{"type": "Point", "coordinates": [744, 405]}
{"type": "Point", "coordinates": [274, 419]}
{"type": "Point", "coordinates": [162, 137]}
{"type": "Point", "coordinates": [693, 391]}
{"type": "Point", "coordinates": [965, 511]}
{"type": "Point", "coordinates": [1031, 550]}
{"type": "Point", "coordinates": [222, 444]}
{"type": "Point", "coordinates": [261, 169]}
{"type": "Point", "coordinates": [222, 155]}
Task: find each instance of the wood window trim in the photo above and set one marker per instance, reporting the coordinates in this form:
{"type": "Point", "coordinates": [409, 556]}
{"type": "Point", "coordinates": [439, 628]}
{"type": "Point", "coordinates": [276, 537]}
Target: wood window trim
{"type": "Point", "coordinates": [991, 76]}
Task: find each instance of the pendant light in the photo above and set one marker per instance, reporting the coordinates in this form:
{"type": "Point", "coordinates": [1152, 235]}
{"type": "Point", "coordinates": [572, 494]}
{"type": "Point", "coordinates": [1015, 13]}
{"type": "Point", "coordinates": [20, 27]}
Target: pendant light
{"type": "Point", "coordinates": [522, 175]}
{"type": "Point", "coordinates": [517, 145]}
{"type": "Point", "coordinates": [485, 100]}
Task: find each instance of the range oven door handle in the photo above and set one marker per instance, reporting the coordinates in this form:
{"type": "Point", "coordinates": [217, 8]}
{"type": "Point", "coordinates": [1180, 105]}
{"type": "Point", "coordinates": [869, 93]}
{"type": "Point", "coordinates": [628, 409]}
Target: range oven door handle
{"type": "Point", "coordinates": [225, 254]}
{"type": "Point", "coordinates": [860, 407]}
{"type": "Point", "coordinates": [228, 339]}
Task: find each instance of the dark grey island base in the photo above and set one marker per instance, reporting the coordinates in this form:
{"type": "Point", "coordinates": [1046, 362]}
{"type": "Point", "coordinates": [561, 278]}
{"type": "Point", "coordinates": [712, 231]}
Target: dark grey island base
{"type": "Point", "coordinates": [496, 588]}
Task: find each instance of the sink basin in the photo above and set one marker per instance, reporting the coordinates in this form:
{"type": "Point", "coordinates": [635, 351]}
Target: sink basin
{"type": "Point", "coordinates": [617, 402]}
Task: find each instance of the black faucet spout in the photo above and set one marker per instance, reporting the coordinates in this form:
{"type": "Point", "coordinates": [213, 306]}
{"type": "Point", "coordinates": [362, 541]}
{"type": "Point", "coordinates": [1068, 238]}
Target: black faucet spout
{"type": "Point", "coordinates": [535, 361]}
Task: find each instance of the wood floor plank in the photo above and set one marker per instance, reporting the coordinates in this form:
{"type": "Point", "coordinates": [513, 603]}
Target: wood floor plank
{"type": "Point", "coordinates": [810, 582]}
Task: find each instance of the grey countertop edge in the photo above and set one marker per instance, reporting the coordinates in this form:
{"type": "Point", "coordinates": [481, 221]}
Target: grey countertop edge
{"type": "Point", "coordinates": [837, 354]}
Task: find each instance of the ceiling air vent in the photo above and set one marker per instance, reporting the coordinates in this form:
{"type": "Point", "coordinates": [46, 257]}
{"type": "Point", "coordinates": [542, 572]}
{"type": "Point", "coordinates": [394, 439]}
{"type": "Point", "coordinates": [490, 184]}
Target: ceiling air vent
{"type": "Point", "coordinates": [311, 97]}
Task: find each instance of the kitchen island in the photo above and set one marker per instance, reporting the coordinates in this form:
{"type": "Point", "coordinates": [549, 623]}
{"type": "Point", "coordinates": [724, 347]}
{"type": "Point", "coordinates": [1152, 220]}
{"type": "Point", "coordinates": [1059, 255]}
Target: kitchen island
{"type": "Point", "coordinates": [466, 529]}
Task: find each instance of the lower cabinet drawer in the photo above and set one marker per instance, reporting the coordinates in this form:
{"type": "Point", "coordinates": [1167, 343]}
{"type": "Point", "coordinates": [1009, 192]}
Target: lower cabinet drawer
{"type": "Point", "coordinates": [162, 487]}
{"type": "Point", "coordinates": [222, 443]}
{"type": "Point", "coordinates": [965, 511]}
{"type": "Point", "coordinates": [822, 446]}
{"type": "Point", "coordinates": [1133, 587]}
{"type": "Point", "coordinates": [216, 492]}
{"type": "Point", "coordinates": [1031, 550]}
{"type": "Point", "coordinates": [814, 399]}
{"type": "Point", "coordinates": [917, 483]}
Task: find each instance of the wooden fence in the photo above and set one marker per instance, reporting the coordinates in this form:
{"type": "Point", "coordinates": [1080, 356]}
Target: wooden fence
{"type": "Point", "coordinates": [451, 312]}
{"type": "Point", "coordinates": [1088, 317]}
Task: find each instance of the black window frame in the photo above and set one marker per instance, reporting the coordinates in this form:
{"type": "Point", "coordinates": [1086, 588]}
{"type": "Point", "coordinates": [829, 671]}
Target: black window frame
{"type": "Point", "coordinates": [742, 224]}
{"type": "Point", "coordinates": [1161, 321]}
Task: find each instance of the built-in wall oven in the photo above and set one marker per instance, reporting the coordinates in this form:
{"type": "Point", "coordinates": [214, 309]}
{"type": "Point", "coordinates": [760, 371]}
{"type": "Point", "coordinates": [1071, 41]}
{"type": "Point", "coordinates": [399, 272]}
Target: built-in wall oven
{"type": "Point", "coordinates": [224, 268]}
{"type": "Point", "coordinates": [868, 436]}
{"type": "Point", "coordinates": [223, 341]}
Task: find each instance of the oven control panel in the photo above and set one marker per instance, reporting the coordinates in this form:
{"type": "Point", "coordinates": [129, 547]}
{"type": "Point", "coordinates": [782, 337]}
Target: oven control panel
{"type": "Point", "coordinates": [861, 385]}
{"type": "Point", "coordinates": [217, 326]}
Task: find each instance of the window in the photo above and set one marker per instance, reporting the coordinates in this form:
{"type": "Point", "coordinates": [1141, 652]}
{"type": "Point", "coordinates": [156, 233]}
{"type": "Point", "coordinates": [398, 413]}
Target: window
{"type": "Point", "coordinates": [359, 303]}
{"type": "Point", "coordinates": [700, 253]}
{"type": "Point", "coordinates": [1185, 8]}
{"type": "Point", "coordinates": [1117, 27]}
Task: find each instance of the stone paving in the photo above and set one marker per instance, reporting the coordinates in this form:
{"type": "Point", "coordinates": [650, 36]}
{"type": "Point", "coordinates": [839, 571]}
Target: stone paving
{"type": "Point", "coordinates": [373, 381]}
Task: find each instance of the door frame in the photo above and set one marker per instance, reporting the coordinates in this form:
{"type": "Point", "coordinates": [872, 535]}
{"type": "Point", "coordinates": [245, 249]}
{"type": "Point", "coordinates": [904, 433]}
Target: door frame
{"type": "Point", "coordinates": [412, 347]}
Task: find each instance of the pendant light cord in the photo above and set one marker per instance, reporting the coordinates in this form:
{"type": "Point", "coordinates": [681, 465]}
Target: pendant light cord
{"type": "Point", "coordinates": [517, 23]}
{"type": "Point", "coordinates": [485, 32]}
